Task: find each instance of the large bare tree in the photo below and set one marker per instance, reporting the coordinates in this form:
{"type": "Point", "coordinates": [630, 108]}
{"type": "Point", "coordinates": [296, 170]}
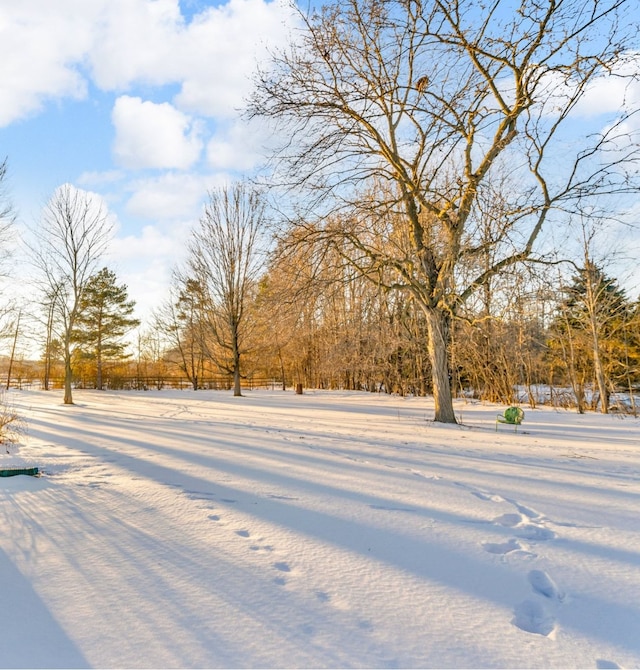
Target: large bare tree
{"type": "Point", "coordinates": [73, 234]}
{"type": "Point", "coordinates": [225, 258]}
{"type": "Point", "coordinates": [397, 114]}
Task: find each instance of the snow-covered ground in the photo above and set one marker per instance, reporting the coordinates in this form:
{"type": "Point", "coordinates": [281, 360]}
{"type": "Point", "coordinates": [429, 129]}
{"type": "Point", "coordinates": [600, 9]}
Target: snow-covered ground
{"type": "Point", "coordinates": [182, 529]}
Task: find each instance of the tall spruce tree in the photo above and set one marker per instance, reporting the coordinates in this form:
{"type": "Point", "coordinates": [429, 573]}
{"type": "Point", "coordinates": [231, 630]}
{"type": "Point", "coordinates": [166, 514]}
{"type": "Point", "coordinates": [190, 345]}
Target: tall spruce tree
{"type": "Point", "coordinates": [590, 326]}
{"type": "Point", "coordinates": [105, 315]}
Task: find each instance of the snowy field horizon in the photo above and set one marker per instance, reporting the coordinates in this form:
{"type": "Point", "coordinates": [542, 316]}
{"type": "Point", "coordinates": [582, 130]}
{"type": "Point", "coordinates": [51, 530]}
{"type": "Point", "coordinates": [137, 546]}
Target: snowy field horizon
{"type": "Point", "coordinates": [182, 529]}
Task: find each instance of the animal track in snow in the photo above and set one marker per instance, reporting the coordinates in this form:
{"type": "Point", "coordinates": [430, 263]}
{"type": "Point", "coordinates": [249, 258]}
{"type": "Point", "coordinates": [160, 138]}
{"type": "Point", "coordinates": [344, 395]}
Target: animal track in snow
{"type": "Point", "coordinates": [544, 585]}
{"type": "Point", "coordinates": [509, 520]}
{"type": "Point", "coordinates": [503, 547]}
{"type": "Point", "coordinates": [417, 473]}
{"type": "Point", "coordinates": [390, 508]}
{"type": "Point", "coordinates": [524, 510]}
{"type": "Point", "coordinates": [243, 533]}
{"type": "Point", "coordinates": [526, 523]}
{"type": "Point", "coordinates": [525, 530]}
{"type": "Point", "coordinates": [536, 533]}
{"type": "Point", "coordinates": [282, 566]}
{"type": "Point", "coordinates": [531, 617]}
{"type": "Point", "coordinates": [322, 596]}
{"type": "Point", "coordinates": [199, 495]}
{"type": "Point", "coordinates": [489, 497]}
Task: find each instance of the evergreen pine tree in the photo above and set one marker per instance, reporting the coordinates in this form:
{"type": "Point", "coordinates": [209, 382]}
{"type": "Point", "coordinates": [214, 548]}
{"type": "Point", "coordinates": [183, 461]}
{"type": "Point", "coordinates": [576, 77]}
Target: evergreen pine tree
{"type": "Point", "coordinates": [590, 326]}
{"type": "Point", "coordinates": [105, 316]}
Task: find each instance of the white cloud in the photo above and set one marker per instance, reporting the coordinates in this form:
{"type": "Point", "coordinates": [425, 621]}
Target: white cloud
{"type": "Point", "coordinates": [135, 42]}
{"type": "Point", "coordinates": [211, 58]}
{"type": "Point", "coordinates": [100, 178]}
{"type": "Point", "coordinates": [612, 92]}
{"type": "Point", "coordinates": [144, 263]}
{"type": "Point", "coordinates": [226, 43]}
{"type": "Point", "coordinates": [168, 197]}
{"type": "Point", "coordinates": [238, 147]}
{"type": "Point", "coordinates": [150, 135]}
{"type": "Point", "coordinates": [41, 43]}
{"type": "Point", "coordinates": [50, 50]}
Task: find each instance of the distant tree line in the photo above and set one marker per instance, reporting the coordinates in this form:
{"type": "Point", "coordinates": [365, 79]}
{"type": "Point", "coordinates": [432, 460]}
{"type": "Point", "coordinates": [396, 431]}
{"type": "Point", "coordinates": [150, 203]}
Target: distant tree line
{"type": "Point", "coordinates": [305, 317]}
{"type": "Point", "coordinates": [397, 243]}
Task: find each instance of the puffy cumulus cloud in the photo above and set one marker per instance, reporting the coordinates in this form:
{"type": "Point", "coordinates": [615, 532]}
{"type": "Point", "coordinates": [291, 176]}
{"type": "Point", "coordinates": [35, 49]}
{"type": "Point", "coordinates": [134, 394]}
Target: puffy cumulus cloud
{"type": "Point", "coordinates": [226, 44]}
{"type": "Point", "coordinates": [135, 42]}
{"type": "Point", "coordinates": [169, 197]}
{"type": "Point", "coordinates": [150, 135]}
{"type": "Point", "coordinates": [211, 58]}
{"type": "Point", "coordinates": [614, 91]}
{"type": "Point", "coordinates": [51, 50]}
{"type": "Point", "coordinates": [41, 44]}
{"type": "Point", "coordinates": [100, 178]}
{"type": "Point", "coordinates": [144, 262]}
{"type": "Point", "coordinates": [238, 146]}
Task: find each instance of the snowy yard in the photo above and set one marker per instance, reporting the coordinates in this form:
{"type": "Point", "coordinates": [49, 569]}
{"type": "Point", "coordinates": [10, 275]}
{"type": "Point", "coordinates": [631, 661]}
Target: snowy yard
{"type": "Point", "coordinates": [182, 529]}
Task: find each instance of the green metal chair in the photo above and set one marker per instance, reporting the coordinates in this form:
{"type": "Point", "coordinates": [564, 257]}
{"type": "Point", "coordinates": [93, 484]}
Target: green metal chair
{"type": "Point", "coordinates": [512, 416]}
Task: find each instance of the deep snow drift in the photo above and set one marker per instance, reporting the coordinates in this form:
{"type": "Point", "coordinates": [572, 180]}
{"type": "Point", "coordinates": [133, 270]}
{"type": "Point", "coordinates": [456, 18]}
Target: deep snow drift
{"type": "Point", "coordinates": [182, 529]}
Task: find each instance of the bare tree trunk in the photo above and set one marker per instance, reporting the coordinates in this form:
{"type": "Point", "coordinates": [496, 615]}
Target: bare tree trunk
{"type": "Point", "coordinates": [47, 350]}
{"type": "Point", "coordinates": [601, 382]}
{"type": "Point", "coordinates": [13, 350]}
{"type": "Point", "coordinates": [237, 390]}
{"type": "Point", "coordinates": [576, 384]}
{"type": "Point", "coordinates": [438, 324]}
{"type": "Point", "coordinates": [598, 369]}
{"type": "Point", "coordinates": [99, 366]}
{"type": "Point", "coordinates": [68, 371]}
{"type": "Point", "coordinates": [282, 372]}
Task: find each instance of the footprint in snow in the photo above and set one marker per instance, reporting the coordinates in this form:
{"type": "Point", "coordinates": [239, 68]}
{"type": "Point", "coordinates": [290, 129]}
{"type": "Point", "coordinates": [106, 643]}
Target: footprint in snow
{"type": "Point", "coordinates": [243, 533]}
{"type": "Point", "coordinates": [390, 508]}
{"type": "Point", "coordinates": [523, 509]}
{"type": "Point", "coordinates": [536, 533]}
{"type": "Point", "coordinates": [544, 585]}
{"type": "Point", "coordinates": [503, 547]}
{"type": "Point", "coordinates": [322, 596]}
{"type": "Point", "coordinates": [532, 617]}
{"type": "Point", "coordinates": [509, 520]}
{"type": "Point", "coordinates": [282, 566]}
{"type": "Point", "coordinates": [489, 497]}
{"type": "Point", "coordinates": [417, 473]}
{"type": "Point", "coordinates": [214, 517]}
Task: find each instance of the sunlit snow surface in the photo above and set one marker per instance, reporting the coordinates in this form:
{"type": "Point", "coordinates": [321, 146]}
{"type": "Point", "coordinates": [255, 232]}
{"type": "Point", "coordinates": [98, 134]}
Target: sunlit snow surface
{"type": "Point", "coordinates": [195, 529]}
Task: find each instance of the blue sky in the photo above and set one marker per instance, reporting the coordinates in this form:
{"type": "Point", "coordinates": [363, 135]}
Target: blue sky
{"type": "Point", "coordinates": [137, 101]}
